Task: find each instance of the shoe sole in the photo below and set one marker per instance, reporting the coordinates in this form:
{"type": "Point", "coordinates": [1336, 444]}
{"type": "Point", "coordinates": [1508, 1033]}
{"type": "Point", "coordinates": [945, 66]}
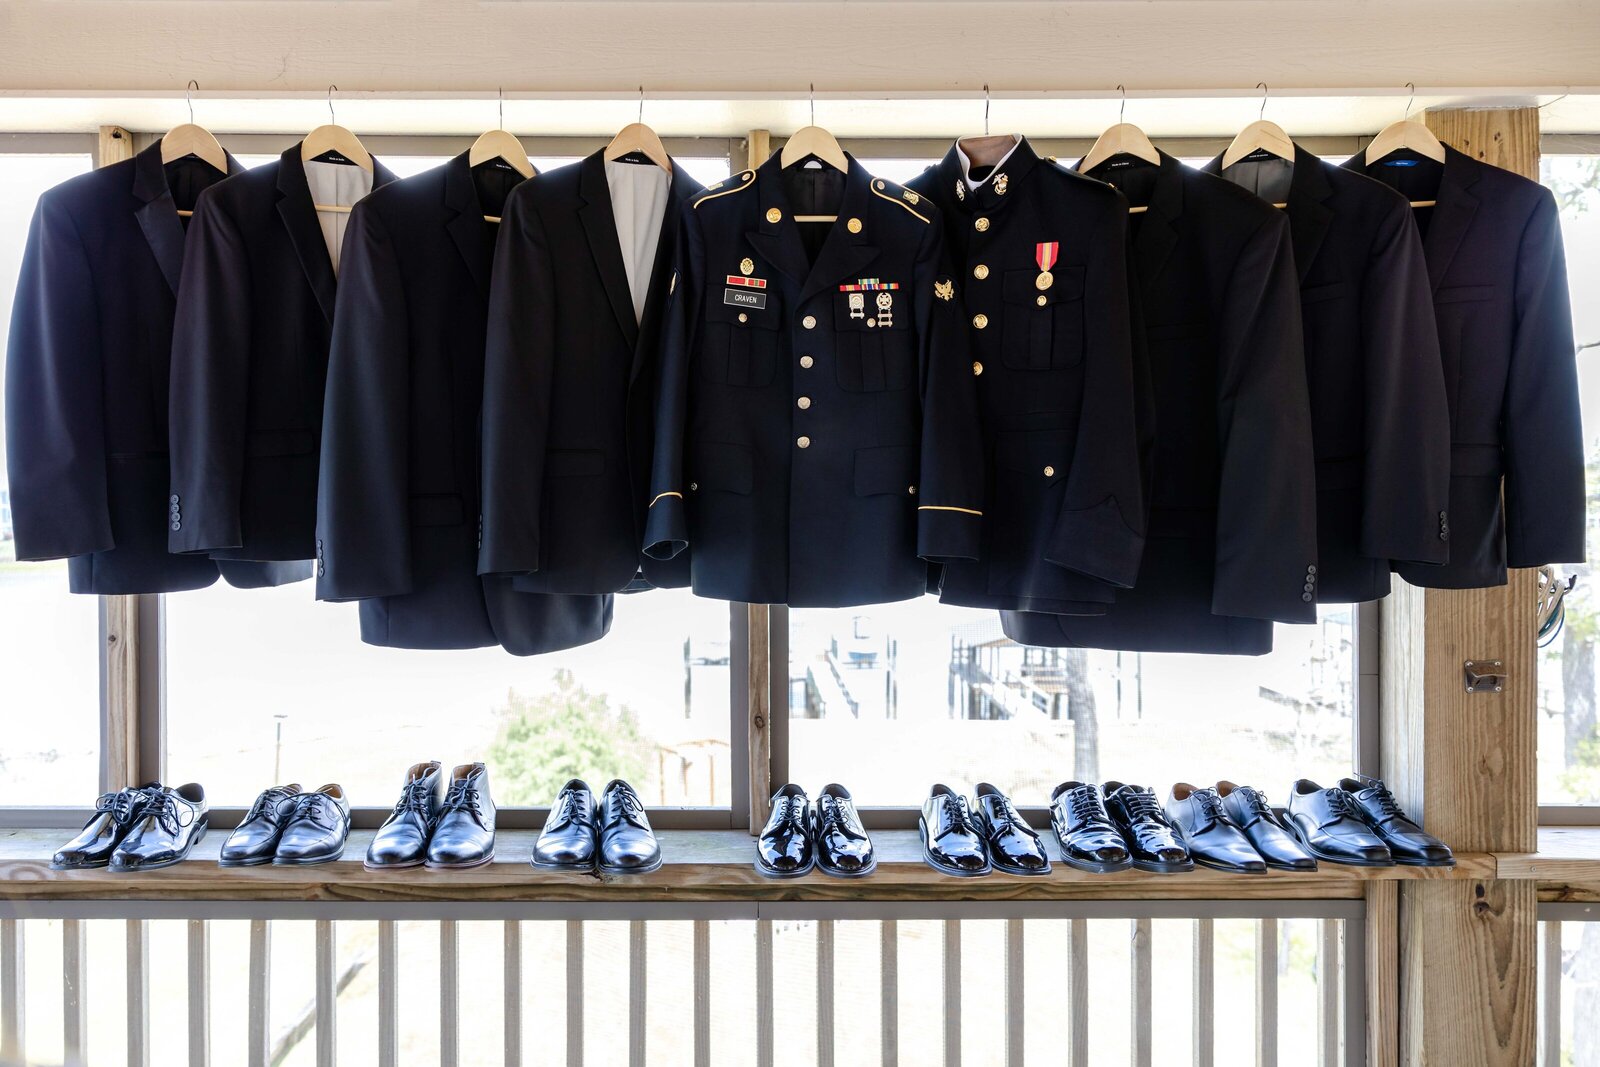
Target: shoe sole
{"type": "Point", "coordinates": [1227, 868]}
{"type": "Point", "coordinates": [276, 862]}
{"type": "Point", "coordinates": [256, 861]}
{"type": "Point", "coordinates": [566, 868]}
{"type": "Point", "coordinates": [432, 866]}
{"type": "Point", "coordinates": [646, 869]}
{"type": "Point", "coordinates": [102, 865]}
{"type": "Point", "coordinates": [1158, 867]}
{"type": "Point", "coordinates": [1021, 872]}
{"type": "Point", "coordinates": [954, 872]}
{"type": "Point", "coordinates": [1323, 857]}
{"type": "Point", "coordinates": [799, 872]}
{"type": "Point", "coordinates": [193, 841]}
{"type": "Point", "coordinates": [1096, 866]}
{"type": "Point", "coordinates": [1451, 862]}
{"type": "Point", "coordinates": [381, 867]}
{"type": "Point", "coordinates": [837, 873]}
{"type": "Point", "coordinates": [1291, 868]}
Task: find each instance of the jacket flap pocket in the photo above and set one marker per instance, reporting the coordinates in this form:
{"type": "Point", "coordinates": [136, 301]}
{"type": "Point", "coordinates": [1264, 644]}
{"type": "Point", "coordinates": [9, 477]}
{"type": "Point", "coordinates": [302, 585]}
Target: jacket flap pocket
{"type": "Point", "coordinates": [562, 462]}
{"type": "Point", "coordinates": [1317, 293]}
{"type": "Point", "coordinates": [745, 307]}
{"type": "Point", "coordinates": [281, 442]}
{"type": "Point", "coordinates": [890, 469]}
{"type": "Point", "coordinates": [872, 309]}
{"type": "Point", "coordinates": [1459, 294]}
{"type": "Point", "coordinates": [437, 509]}
{"type": "Point", "coordinates": [1022, 286]}
{"type": "Point", "coordinates": [723, 466]}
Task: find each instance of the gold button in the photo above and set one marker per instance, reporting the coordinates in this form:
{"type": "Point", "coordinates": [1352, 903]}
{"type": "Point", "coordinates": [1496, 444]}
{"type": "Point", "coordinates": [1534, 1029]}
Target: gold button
{"type": "Point", "coordinates": [774, 215]}
{"type": "Point", "coordinates": [804, 442]}
{"type": "Point", "coordinates": [746, 318]}
{"type": "Point", "coordinates": [806, 361]}
{"type": "Point", "coordinates": [809, 322]}
{"type": "Point", "coordinates": [693, 486]}
{"type": "Point", "coordinates": [878, 184]}
{"type": "Point", "coordinates": [804, 402]}
{"type": "Point", "coordinates": [980, 320]}
{"type": "Point", "coordinates": [854, 225]}
{"type": "Point", "coordinates": [911, 489]}
{"type": "Point", "coordinates": [982, 224]}
{"type": "Point", "coordinates": [981, 271]}
{"type": "Point", "coordinates": [977, 368]}
{"type": "Point", "coordinates": [1040, 300]}
{"type": "Point", "coordinates": [1049, 472]}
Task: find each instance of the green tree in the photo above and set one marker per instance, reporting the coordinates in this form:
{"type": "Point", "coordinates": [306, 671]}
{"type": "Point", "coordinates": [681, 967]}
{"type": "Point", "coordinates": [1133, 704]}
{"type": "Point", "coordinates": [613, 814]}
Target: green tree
{"type": "Point", "coordinates": [566, 733]}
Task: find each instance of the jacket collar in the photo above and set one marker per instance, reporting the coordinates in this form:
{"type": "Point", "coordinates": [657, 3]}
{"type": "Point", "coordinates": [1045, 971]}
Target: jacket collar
{"type": "Point", "coordinates": [1158, 228]}
{"type": "Point", "coordinates": [299, 214]}
{"type": "Point", "coordinates": [158, 215]}
{"type": "Point", "coordinates": [1308, 210]}
{"type": "Point", "coordinates": [1455, 207]}
{"type": "Point", "coordinates": [777, 235]}
{"type": "Point", "coordinates": [995, 191]}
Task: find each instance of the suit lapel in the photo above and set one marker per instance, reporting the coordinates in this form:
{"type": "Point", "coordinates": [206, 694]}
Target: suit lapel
{"type": "Point", "coordinates": [466, 224]}
{"type": "Point", "coordinates": [600, 227]}
{"type": "Point", "coordinates": [1309, 214]}
{"type": "Point", "coordinates": [158, 216]}
{"type": "Point", "coordinates": [844, 253]}
{"type": "Point", "coordinates": [299, 214]}
{"type": "Point", "coordinates": [1158, 233]}
{"type": "Point", "coordinates": [1452, 216]}
{"type": "Point", "coordinates": [683, 187]}
{"type": "Point", "coordinates": [776, 236]}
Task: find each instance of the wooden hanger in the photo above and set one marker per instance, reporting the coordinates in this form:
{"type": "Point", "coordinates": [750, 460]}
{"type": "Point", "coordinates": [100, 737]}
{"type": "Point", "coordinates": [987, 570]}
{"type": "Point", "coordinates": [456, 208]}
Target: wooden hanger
{"type": "Point", "coordinates": [498, 144]}
{"type": "Point", "coordinates": [335, 138]}
{"type": "Point", "coordinates": [1406, 134]}
{"type": "Point", "coordinates": [1260, 135]}
{"type": "Point", "coordinates": [818, 142]}
{"type": "Point", "coordinates": [637, 137]}
{"type": "Point", "coordinates": [1123, 139]}
{"type": "Point", "coordinates": [187, 139]}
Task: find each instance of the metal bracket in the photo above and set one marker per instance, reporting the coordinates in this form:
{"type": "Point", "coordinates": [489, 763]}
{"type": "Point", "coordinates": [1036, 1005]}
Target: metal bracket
{"type": "Point", "coordinates": [1484, 676]}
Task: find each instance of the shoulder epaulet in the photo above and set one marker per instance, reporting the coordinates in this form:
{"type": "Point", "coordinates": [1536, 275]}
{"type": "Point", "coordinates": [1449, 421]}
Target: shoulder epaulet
{"type": "Point", "coordinates": [737, 183]}
{"type": "Point", "coordinates": [900, 195]}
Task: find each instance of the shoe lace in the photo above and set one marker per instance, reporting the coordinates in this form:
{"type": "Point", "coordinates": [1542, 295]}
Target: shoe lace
{"type": "Point", "coordinates": [955, 807]}
{"type": "Point", "coordinates": [794, 810]}
{"type": "Point", "coordinates": [628, 799]}
{"type": "Point", "coordinates": [269, 802]}
{"type": "Point", "coordinates": [313, 807]}
{"type": "Point", "coordinates": [1084, 804]}
{"type": "Point", "coordinates": [463, 796]}
{"type": "Point", "coordinates": [832, 816]}
{"type": "Point", "coordinates": [1210, 805]}
{"type": "Point", "coordinates": [163, 807]}
{"type": "Point", "coordinates": [121, 805]}
{"type": "Point", "coordinates": [1342, 805]}
{"type": "Point", "coordinates": [414, 798]}
{"type": "Point", "coordinates": [1008, 818]}
{"type": "Point", "coordinates": [1141, 805]}
{"type": "Point", "coordinates": [571, 806]}
{"type": "Point", "coordinates": [1256, 801]}
{"type": "Point", "coordinates": [1388, 806]}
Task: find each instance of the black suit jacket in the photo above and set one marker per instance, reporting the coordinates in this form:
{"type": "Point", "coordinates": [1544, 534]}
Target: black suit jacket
{"type": "Point", "coordinates": [817, 438]}
{"type": "Point", "coordinates": [86, 381]}
{"type": "Point", "coordinates": [1064, 519]}
{"type": "Point", "coordinates": [397, 509]}
{"type": "Point", "coordinates": [1499, 281]}
{"type": "Point", "coordinates": [249, 359]}
{"type": "Point", "coordinates": [568, 415]}
{"type": "Point", "coordinates": [1379, 419]}
{"type": "Point", "coordinates": [1232, 534]}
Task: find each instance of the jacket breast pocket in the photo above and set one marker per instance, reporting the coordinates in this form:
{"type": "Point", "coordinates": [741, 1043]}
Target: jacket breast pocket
{"type": "Point", "coordinates": [741, 345]}
{"type": "Point", "coordinates": [874, 345]}
{"type": "Point", "coordinates": [1043, 328]}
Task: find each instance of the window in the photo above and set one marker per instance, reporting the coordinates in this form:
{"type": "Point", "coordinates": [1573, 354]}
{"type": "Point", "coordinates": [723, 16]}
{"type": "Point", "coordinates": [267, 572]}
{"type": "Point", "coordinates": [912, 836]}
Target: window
{"type": "Point", "coordinates": [1569, 737]}
{"type": "Point", "coordinates": [50, 755]}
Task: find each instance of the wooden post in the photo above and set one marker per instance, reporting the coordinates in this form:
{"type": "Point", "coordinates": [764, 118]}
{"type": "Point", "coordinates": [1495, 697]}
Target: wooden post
{"type": "Point", "coordinates": [758, 145]}
{"type": "Point", "coordinates": [1466, 762]}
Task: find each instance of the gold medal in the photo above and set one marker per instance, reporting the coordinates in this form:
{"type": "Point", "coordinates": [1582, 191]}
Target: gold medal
{"type": "Point", "coordinates": [1044, 280]}
{"type": "Point", "coordinates": [747, 266]}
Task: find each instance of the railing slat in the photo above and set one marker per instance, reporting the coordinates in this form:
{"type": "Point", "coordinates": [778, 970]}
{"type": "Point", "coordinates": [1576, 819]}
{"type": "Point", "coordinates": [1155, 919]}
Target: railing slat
{"type": "Point", "coordinates": [74, 990]}
{"type": "Point", "coordinates": [1552, 993]}
{"type": "Point", "coordinates": [1142, 1014]}
{"type": "Point", "coordinates": [637, 994]}
{"type": "Point", "coordinates": [449, 993]}
{"type": "Point", "coordinates": [1266, 993]}
{"type": "Point", "coordinates": [1205, 992]}
{"type": "Point", "coordinates": [574, 993]}
{"type": "Point", "coordinates": [1328, 972]}
{"type": "Point", "coordinates": [260, 984]}
{"type": "Point", "coordinates": [388, 993]}
{"type": "Point", "coordinates": [702, 993]}
{"type": "Point", "coordinates": [199, 951]}
{"type": "Point", "coordinates": [952, 993]}
{"type": "Point", "coordinates": [513, 993]}
{"type": "Point", "coordinates": [13, 1042]}
{"type": "Point", "coordinates": [138, 983]}
{"type": "Point", "coordinates": [889, 982]}
{"type": "Point", "coordinates": [1015, 993]}
{"type": "Point", "coordinates": [1078, 990]}
{"type": "Point", "coordinates": [327, 1004]}
{"type": "Point", "coordinates": [763, 993]}
{"type": "Point", "coordinates": [825, 960]}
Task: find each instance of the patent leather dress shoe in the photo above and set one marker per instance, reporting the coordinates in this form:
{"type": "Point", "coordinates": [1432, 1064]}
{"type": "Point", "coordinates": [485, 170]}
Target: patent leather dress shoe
{"type": "Point", "coordinates": [843, 848]}
{"type": "Point", "coordinates": [1275, 842]}
{"type": "Point", "coordinates": [1152, 840]}
{"type": "Point", "coordinates": [627, 844]}
{"type": "Point", "coordinates": [785, 848]}
{"type": "Point", "coordinates": [1330, 824]}
{"type": "Point", "coordinates": [255, 840]}
{"type": "Point", "coordinates": [402, 840]}
{"type": "Point", "coordinates": [951, 843]}
{"type": "Point", "coordinates": [169, 825]}
{"type": "Point", "coordinates": [1213, 838]}
{"type": "Point", "coordinates": [1014, 846]}
{"type": "Point", "coordinates": [1088, 839]}
{"type": "Point", "coordinates": [114, 815]}
{"type": "Point", "coordinates": [316, 828]}
{"type": "Point", "coordinates": [1407, 841]}
{"type": "Point", "coordinates": [570, 838]}
{"type": "Point", "coordinates": [464, 835]}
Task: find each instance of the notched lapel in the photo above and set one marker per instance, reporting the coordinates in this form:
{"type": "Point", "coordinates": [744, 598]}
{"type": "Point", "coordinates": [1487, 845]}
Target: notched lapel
{"type": "Point", "coordinates": [600, 227]}
{"type": "Point", "coordinates": [158, 215]}
{"type": "Point", "coordinates": [299, 214]}
{"type": "Point", "coordinates": [466, 224]}
{"type": "Point", "coordinates": [1309, 213]}
{"type": "Point", "coordinates": [1452, 216]}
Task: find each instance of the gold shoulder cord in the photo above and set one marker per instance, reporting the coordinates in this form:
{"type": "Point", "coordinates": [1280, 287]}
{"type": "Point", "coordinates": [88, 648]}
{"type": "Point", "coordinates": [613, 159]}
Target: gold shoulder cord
{"type": "Point", "coordinates": [745, 182]}
{"type": "Point", "coordinates": [895, 200]}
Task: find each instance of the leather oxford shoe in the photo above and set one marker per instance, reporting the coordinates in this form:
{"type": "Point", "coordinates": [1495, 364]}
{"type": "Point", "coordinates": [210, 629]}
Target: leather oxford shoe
{"type": "Point", "coordinates": [402, 840]}
{"type": "Point", "coordinates": [1407, 842]}
{"type": "Point", "coordinates": [1213, 838]}
{"type": "Point", "coordinates": [170, 824]}
{"type": "Point", "coordinates": [843, 848]}
{"type": "Point", "coordinates": [1276, 843]}
{"type": "Point", "coordinates": [1330, 824]}
{"type": "Point", "coordinates": [315, 829]}
{"type": "Point", "coordinates": [114, 815]}
{"type": "Point", "coordinates": [570, 836]}
{"type": "Point", "coordinates": [1089, 840]}
{"type": "Point", "coordinates": [951, 842]}
{"type": "Point", "coordinates": [254, 840]}
{"type": "Point", "coordinates": [1152, 840]}
{"type": "Point", "coordinates": [627, 844]}
{"type": "Point", "coordinates": [785, 848]}
{"type": "Point", "coordinates": [464, 835]}
{"type": "Point", "coordinates": [1014, 846]}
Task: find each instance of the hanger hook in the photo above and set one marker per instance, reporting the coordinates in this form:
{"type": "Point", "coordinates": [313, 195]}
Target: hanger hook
{"type": "Point", "coordinates": [502, 92]}
{"type": "Point", "coordinates": [331, 117]}
{"type": "Point", "coordinates": [1123, 110]}
{"type": "Point", "coordinates": [813, 103]}
{"type": "Point", "coordinates": [641, 105]}
{"type": "Point", "coordinates": [192, 87]}
{"type": "Point", "coordinates": [1410, 99]}
{"type": "Point", "coordinates": [1262, 114]}
{"type": "Point", "coordinates": [986, 109]}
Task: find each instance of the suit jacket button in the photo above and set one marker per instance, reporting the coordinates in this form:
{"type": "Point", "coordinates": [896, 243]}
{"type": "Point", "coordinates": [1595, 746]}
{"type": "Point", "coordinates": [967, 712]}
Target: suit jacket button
{"type": "Point", "coordinates": [1049, 472]}
{"type": "Point", "coordinates": [806, 361]}
{"type": "Point", "coordinates": [1306, 597]}
{"type": "Point", "coordinates": [981, 271]}
{"type": "Point", "coordinates": [809, 322]}
{"type": "Point", "coordinates": [176, 525]}
{"type": "Point", "coordinates": [911, 489]}
{"type": "Point", "coordinates": [803, 403]}
{"type": "Point", "coordinates": [803, 442]}
{"type": "Point", "coordinates": [173, 499]}
{"type": "Point", "coordinates": [977, 368]}
{"type": "Point", "coordinates": [980, 320]}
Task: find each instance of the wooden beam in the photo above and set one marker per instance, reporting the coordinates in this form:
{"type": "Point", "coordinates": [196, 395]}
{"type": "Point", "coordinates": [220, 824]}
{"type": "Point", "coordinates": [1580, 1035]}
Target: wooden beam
{"type": "Point", "coordinates": [116, 144]}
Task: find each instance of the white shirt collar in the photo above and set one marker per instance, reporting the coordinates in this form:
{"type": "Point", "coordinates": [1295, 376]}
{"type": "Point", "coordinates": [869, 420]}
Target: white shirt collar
{"type": "Point", "coordinates": [966, 163]}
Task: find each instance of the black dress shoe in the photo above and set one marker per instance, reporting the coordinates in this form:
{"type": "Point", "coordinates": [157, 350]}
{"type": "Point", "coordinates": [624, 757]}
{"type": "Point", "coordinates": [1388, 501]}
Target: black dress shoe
{"type": "Point", "coordinates": [114, 815]}
{"type": "Point", "coordinates": [1153, 842]}
{"type": "Point", "coordinates": [1330, 824]}
{"type": "Point", "coordinates": [315, 829]}
{"type": "Point", "coordinates": [843, 848]}
{"type": "Point", "coordinates": [571, 837]}
{"type": "Point", "coordinates": [170, 824]}
{"type": "Point", "coordinates": [1014, 846]}
{"type": "Point", "coordinates": [464, 835]}
{"type": "Point", "coordinates": [785, 848]}
{"type": "Point", "coordinates": [1276, 843]}
{"type": "Point", "coordinates": [1214, 839]}
{"type": "Point", "coordinates": [254, 840]}
{"type": "Point", "coordinates": [402, 840]}
{"type": "Point", "coordinates": [1407, 842]}
{"type": "Point", "coordinates": [1089, 840]}
{"type": "Point", "coordinates": [951, 843]}
{"type": "Point", "coordinates": [627, 844]}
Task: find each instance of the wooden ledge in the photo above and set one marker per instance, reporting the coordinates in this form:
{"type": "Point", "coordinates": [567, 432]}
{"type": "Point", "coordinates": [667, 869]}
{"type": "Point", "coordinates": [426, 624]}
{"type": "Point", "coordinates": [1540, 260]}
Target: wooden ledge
{"type": "Point", "coordinates": [701, 865]}
{"type": "Point", "coordinates": [1566, 854]}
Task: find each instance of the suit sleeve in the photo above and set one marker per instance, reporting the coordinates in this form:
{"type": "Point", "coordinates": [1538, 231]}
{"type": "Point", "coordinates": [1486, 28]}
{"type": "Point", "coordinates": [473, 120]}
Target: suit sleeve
{"type": "Point", "coordinates": [1543, 435]}
{"type": "Point", "coordinates": [363, 488]}
{"type": "Point", "coordinates": [666, 529]}
{"type": "Point", "coordinates": [519, 372]}
{"type": "Point", "coordinates": [210, 382]}
{"type": "Point", "coordinates": [1406, 417]}
{"type": "Point", "coordinates": [1100, 528]}
{"type": "Point", "coordinates": [950, 492]}
{"type": "Point", "coordinates": [1266, 507]}
{"type": "Point", "coordinates": [55, 418]}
